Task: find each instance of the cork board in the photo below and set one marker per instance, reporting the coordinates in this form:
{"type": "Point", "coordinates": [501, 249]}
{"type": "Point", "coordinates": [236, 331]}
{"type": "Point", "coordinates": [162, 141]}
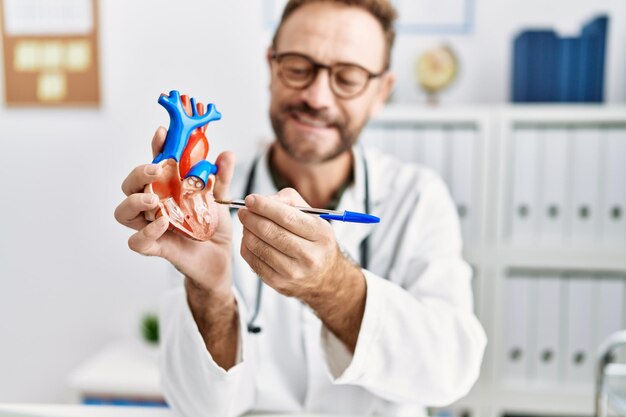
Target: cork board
{"type": "Point", "coordinates": [50, 51]}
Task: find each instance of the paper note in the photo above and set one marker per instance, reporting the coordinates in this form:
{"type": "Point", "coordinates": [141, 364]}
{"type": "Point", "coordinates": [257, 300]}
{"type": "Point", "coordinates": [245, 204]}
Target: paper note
{"type": "Point", "coordinates": [51, 86]}
{"type": "Point", "coordinates": [52, 55]}
{"type": "Point", "coordinates": [27, 56]}
{"type": "Point", "coordinates": [48, 17]}
{"type": "Point", "coordinates": [77, 56]}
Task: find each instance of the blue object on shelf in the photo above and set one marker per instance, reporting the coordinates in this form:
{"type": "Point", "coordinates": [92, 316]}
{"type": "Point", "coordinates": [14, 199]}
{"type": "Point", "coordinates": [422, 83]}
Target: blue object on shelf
{"type": "Point", "coordinates": [521, 59]}
{"type": "Point", "coordinates": [592, 60]}
{"type": "Point", "coordinates": [124, 402]}
{"type": "Point", "coordinates": [568, 70]}
{"type": "Point", "coordinates": [547, 68]}
{"type": "Point", "coordinates": [535, 66]}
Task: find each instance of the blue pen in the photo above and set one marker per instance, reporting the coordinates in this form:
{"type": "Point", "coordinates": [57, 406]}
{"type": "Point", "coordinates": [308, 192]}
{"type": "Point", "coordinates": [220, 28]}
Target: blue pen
{"type": "Point", "coordinates": [343, 216]}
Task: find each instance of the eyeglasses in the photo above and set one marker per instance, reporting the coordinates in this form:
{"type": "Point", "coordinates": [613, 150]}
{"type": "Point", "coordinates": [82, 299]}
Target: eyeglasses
{"type": "Point", "coordinates": [299, 71]}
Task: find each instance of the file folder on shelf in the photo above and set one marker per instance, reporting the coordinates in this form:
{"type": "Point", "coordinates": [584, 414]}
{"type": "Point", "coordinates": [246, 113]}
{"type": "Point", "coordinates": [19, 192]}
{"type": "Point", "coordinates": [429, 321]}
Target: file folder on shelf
{"type": "Point", "coordinates": [435, 150]}
{"type": "Point", "coordinates": [516, 323]}
{"type": "Point", "coordinates": [593, 60]}
{"type": "Point", "coordinates": [463, 161]}
{"type": "Point", "coordinates": [613, 214]}
{"type": "Point", "coordinates": [404, 143]}
{"type": "Point", "coordinates": [554, 184]}
{"type": "Point", "coordinates": [535, 61]}
{"type": "Point", "coordinates": [585, 185]}
{"type": "Point", "coordinates": [609, 308]}
{"type": "Point", "coordinates": [549, 68]}
{"type": "Point", "coordinates": [525, 180]}
{"type": "Point", "coordinates": [579, 342]}
{"type": "Point", "coordinates": [545, 354]}
{"type": "Point", "coordinates": [568, 69]}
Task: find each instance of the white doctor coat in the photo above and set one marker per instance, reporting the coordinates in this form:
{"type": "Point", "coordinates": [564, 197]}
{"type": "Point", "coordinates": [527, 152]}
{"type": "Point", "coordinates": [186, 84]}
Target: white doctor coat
{"type": "Point", "coordinates": [419, 344]}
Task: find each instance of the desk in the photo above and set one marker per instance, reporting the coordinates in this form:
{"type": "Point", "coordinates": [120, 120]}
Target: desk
{"type": "Point", "coordinates": [123, 371]}
{"type": "Point", "coordinates": [46, 410]}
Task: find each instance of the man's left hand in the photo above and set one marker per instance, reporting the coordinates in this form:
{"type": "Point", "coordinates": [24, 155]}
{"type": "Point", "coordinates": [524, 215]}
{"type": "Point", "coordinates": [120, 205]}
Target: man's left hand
{"type": "Point", "coordinates": [292, 251]}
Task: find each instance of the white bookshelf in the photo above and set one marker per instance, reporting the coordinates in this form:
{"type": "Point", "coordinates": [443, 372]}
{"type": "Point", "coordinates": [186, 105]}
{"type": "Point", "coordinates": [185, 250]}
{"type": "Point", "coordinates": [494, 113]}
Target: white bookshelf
{"type": "Point", "coordinates": [494, 254]}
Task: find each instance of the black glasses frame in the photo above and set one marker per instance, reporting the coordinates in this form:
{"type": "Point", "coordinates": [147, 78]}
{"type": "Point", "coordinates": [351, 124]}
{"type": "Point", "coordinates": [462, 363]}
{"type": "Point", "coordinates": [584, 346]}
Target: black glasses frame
{"type": "Point", "coordinates": [317, 66]}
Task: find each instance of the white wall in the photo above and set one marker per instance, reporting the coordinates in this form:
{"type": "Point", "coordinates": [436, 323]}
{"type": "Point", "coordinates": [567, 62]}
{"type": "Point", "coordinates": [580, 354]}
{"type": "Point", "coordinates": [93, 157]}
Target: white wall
{"type": "Point", "coordinates": [68, 282]}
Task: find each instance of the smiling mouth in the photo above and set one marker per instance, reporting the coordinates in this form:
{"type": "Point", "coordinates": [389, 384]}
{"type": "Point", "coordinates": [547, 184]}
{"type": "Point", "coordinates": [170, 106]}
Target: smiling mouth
{"type": "Point", "coordinates": [311, 121]}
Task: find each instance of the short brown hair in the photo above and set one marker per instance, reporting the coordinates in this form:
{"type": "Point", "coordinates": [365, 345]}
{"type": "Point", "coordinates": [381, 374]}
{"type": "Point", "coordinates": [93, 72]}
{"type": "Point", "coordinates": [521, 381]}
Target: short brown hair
{"type": "Point", "coordinates": [382, 10]}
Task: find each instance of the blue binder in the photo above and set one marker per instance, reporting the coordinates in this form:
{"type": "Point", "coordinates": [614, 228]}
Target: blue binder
{"type": "Point", "coordinates": [535, 66]}
{"type": "Point", "coordinates": [521, 58]}
{"type": "Point", "coordinates": [592, 60]}
{"type": "Point", "coordinates": [568, 70]}
{"type": "Point", "coordinates": [547, 68]}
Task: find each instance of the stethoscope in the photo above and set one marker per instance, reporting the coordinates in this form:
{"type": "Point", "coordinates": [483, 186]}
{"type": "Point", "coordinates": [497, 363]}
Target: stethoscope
{"type": "Point", "coordinates": [363, 248]}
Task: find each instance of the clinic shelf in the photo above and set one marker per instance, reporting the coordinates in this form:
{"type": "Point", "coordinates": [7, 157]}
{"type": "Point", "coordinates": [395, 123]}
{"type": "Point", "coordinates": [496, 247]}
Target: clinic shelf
{"type": "Point", "coordinates": [527, 114]}
{"type": "Point", "coordinates": [541, 114]}
{"type": "Point", "coordinates": [424, 115]}
{"type": "Point", "coordinates": [573, 401]}
{"type": "Point", "coordinates": [582, 259]}
{"type": "Point", "coordinates": [507, 257]}
{"type": "Point", "coordinates": [527, 400]}
{"type": "Point", "coordinates": [490, 248]}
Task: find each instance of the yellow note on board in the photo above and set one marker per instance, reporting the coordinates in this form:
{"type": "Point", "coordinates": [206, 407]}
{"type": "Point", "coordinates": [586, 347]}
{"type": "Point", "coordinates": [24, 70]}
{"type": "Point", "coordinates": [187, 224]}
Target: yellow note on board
{"type": "Point", "coordinates": [51, 86]}
{"type": "Point", "coordinates": [77, 56]}
{"type": "Point", "coordinates": [27, 56]}
{"type": "Point", "coordinates": [52, 55]}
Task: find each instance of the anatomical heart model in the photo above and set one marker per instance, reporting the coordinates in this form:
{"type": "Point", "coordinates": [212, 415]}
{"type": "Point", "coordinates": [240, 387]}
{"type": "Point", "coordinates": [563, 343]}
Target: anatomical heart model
{"type": "Point", "coordinates": [185, 186]}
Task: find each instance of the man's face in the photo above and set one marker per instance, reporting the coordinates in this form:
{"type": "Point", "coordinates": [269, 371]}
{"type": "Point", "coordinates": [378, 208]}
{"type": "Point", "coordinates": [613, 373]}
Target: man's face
{"type": "Point", "coordinates": [313, 125]}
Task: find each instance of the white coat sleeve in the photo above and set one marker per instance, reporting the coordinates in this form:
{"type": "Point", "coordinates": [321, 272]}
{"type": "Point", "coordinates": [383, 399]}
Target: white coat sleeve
{"type": "Point", "coordinates": [193, 384]}
{"type": "Point", "coordinates": [419, 342]}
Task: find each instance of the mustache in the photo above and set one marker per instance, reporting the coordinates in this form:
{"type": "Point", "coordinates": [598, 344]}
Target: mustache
{"type": "Point", "coordinates": [320, 114]}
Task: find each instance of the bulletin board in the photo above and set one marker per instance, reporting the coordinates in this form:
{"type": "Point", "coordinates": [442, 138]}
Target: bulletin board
{"type": "Point", "coordinates": [50, 51]}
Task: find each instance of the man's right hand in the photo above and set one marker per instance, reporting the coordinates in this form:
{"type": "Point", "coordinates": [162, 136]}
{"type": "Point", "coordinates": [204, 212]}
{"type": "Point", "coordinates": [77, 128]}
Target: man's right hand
{"type": "Point", "coordinates": [207, 264]}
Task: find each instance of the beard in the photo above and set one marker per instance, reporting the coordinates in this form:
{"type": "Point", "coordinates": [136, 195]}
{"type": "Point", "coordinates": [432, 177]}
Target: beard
{"type": "Point", "coordinates": [294, 147]}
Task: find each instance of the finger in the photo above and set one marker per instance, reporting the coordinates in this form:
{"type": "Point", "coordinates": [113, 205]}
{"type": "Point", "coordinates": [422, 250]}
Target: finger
{"type": "Point", "coordinates": [276, 260]}
{"type": "Point", "coordinates": [146, 241]}
{"type": "Point", "coordinates": [158, 140]}
{"type": "Point", "coordinates": [273, 234]}
{"type": "Point", "coordinates": [290, 218]}
{"type": "Point", "coordinates": [139, 177]}
{"type": "Point", "coordinates": [130, 212]}
{"type": "Point", "coordinates": [290, 196]}
{"type": "Point", "coordinates": [225, 166]}
{"type": "Point", "coordinates": [259, 267]}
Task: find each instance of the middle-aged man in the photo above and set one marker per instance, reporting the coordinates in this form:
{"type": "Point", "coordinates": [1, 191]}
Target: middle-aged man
{"type": "Point", "coordinates": [311, 329]}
